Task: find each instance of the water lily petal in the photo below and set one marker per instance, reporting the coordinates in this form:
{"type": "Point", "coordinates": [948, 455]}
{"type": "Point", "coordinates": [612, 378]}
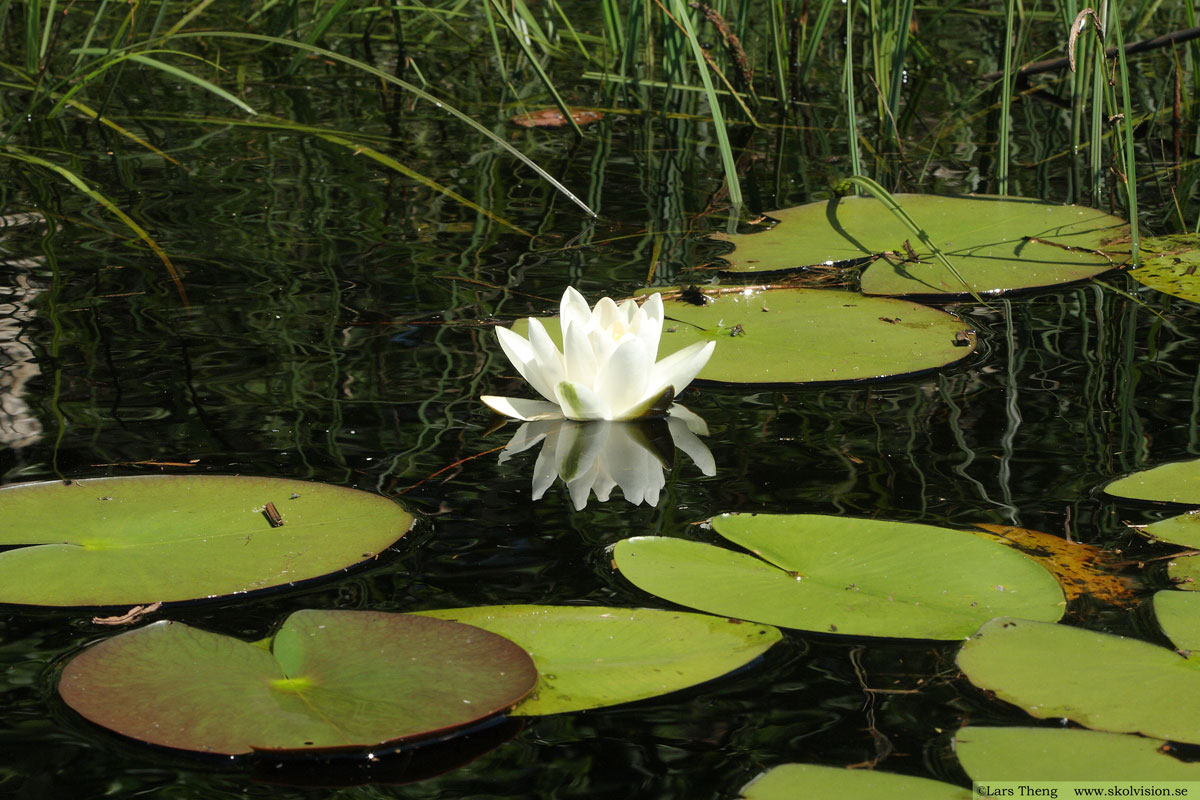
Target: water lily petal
{"type": "Point", "coordinates": [622, 380]}
{"type": "Point", "coordinates": [628, 310]}
{"type": "Point", "coordinates": [606, 316]}
{"type": "Point", "coordinates": [634, 464]}
{"type": "Point", "coordinates": [686, 440]}
{"type": "Point", "coordinates": [649, 322]}
{"type": "Point", "coordinates": [573, 309]}
{"type": "Point", "coordinates": [603, 346]}
{"type": "Point", "coordinates": [579, 455]}
{"type": "Point", "coordinates": [678, 369]}
{"type": "Point", "coordinates": [579, 358]}
{"type": "Point", "coordinates": [655, 405]}
{"type": "Point", "coordinates": [579, 446]}
{"type": "Point", "coordinates": [603, 487]}
{"type": "Point", "coordinates": [606, 367]}
{"type": "Point", "coordinates": [529, 434]}
{"type": "Point", "coordinates": [518, 349]}
{"type": "Point", "coordinates": [548, 370]}
{"type": "Point", "coordinates": [520, 408]}
{"type": "Point", "coordinates": [694, 422]}
{"type": "Point", "coordinates": [544, 470]}
{"type": "Point", "coordinates": [578, 402]}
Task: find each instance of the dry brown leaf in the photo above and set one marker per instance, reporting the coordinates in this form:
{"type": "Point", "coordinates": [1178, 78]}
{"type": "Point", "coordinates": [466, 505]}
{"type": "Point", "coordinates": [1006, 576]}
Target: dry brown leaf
{"type": "Point", "coordinates": [1080, 568]}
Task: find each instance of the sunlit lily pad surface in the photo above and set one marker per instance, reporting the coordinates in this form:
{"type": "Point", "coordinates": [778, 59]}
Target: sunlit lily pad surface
{"type": "Point", "coordinates": [1049, 754]}
{"type": "Point", "coordinates": [845, 576]}
{"type": "Point", "coordinates": [1178, 614]}
{"type": "Point", "coordinates": [1099, 680]}
{"type": "Point", "coordinates": [807, 335]}
{"type": "Point", "coordinates": [996, 244]}
{"type": "Point", "coordinates": [594, 656]}
{"type": "Point", "coordinates": [790, 781]}
{"type": "Point", "coordinates": [1169, 265]}
{"type": "Point", "coordinates": [1176, 482]}
{"type": "Point", "coordinates": [1185, 571]}
{"type": "Point", "coordinates": [121, 541]}
{"type": "Point", "coordinates": [1183, 529]}
{"type": "Point", "coordinates": [330, 679]}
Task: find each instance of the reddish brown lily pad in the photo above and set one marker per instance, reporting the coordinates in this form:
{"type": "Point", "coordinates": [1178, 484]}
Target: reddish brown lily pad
{"type": "Point", "coordinates": [328, 680]}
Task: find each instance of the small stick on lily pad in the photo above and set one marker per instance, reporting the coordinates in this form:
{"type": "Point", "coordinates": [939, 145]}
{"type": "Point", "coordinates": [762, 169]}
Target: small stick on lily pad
{"type": "Point", "coordinates": [130, 616]}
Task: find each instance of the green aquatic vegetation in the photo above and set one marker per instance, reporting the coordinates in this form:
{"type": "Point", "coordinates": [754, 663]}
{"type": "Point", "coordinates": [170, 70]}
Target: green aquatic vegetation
{"type": "Point", "coordinates": [1169, 265]}
{"type": "Point", "coordinates": [1178, 614]}
{"type": "Point", "coordinates": [851, 577]}
{"type": "Point", "coordinates": [996, 245]}
{"type": "Point", "coordinates": [345, 249]}
{"type": "Point", "coordinates": [1054, 754]}
{"type": "Point", "coordinates": [1099, 680]}
{"type": "Point", "coordinates": [788, 781]}
{"type": "Point", "coordinates": [1176, 482]}
{"type": "Point", "coordinates": [766, 335]}
{"type": "Point", "coordinates": [595, 656]}
{"type": "Point", "coordinates": [355, 679]}
{"type": "Point", "coordinates": [327, 680]}
{"type": "Point", "coordinates": [167, 538]}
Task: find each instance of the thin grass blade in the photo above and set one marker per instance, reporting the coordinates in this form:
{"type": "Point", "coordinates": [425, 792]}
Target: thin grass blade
{"type": "Point", "coordinates": [78, 183]}
{"type": "Point", "coordinates": [408, 87]}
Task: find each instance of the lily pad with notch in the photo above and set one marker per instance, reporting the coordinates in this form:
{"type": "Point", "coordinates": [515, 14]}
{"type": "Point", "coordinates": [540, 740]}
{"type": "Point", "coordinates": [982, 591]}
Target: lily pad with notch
{"type": "Point", "coordinates": [1178, 614]}
{"type": "Point", "coordinates": [1099, 680]}
{"type": "Point", "coordinates": [327, 680]}
{"type": "Point", "coordinates": [806, 335]}
{"type": "Point", "coordinates": [1183, 529]}
{"type": "Point", "coordinates": [1176, 482]}
{"type": "Point", "coordinates": [856, 577]}
{"type": "Point", "coordinates": [593, 656]}
{"type": "Point", "coordinates": [1054, 754]}
{"type": "Point", "coordinates": [997, 244]}
{"type": "Point", "coordinates": [144, 539]}
{"type": "Point", "coordinates": [789, 781]}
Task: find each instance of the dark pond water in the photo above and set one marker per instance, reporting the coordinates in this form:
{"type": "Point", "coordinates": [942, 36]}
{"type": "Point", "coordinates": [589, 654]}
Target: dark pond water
{"type": "Point", "coordinates": [339, 330]}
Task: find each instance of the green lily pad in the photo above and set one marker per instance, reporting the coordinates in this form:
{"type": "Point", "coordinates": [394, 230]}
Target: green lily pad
{"type": "Point", "coordinates": [791, 781]}
{"type": "Point", "coordinates": [1185, 571]}
{"type": "Point", "coordinates": [1049, 754]}
{"type": "Point", "coordinates": [997, 244]}
{"type": "Point", "coordinates": [329, 679]}
{"type": "Point", "coordinates": [807, 335]}
{"type": "Point", "coordinates": [593, 656]}
{"type": "Point", "coordinates": [1169, 265]}
{"type": "Point", "coordinates": [1178, 614]}
{"type": "Point", "coordinates": [854, 577]}
{"type": "Point", "coordinates": [1183, 529]}
{"type": "Point", "coordinates": [1177, 482]}
{"type": "Point", "coordinates": [1099, 680]}
{"type": "Point", "coordinates": [123, 541]}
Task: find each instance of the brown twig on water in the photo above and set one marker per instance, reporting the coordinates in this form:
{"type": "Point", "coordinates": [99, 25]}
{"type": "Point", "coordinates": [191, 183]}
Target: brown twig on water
{"type": "Point", "coordinates": [1053, 64]}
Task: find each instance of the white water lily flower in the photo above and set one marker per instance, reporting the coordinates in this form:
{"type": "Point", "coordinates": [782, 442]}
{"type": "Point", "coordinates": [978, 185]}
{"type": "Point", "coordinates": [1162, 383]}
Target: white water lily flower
{"type": "Point", "coordinates": [596, 457]}
{"type": "Point", "coordinates": [608, 367]}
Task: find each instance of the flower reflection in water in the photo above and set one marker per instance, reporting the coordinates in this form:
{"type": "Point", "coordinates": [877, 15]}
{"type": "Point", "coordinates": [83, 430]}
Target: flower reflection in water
{"type": "Point", "coordinates": [597, 456]}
